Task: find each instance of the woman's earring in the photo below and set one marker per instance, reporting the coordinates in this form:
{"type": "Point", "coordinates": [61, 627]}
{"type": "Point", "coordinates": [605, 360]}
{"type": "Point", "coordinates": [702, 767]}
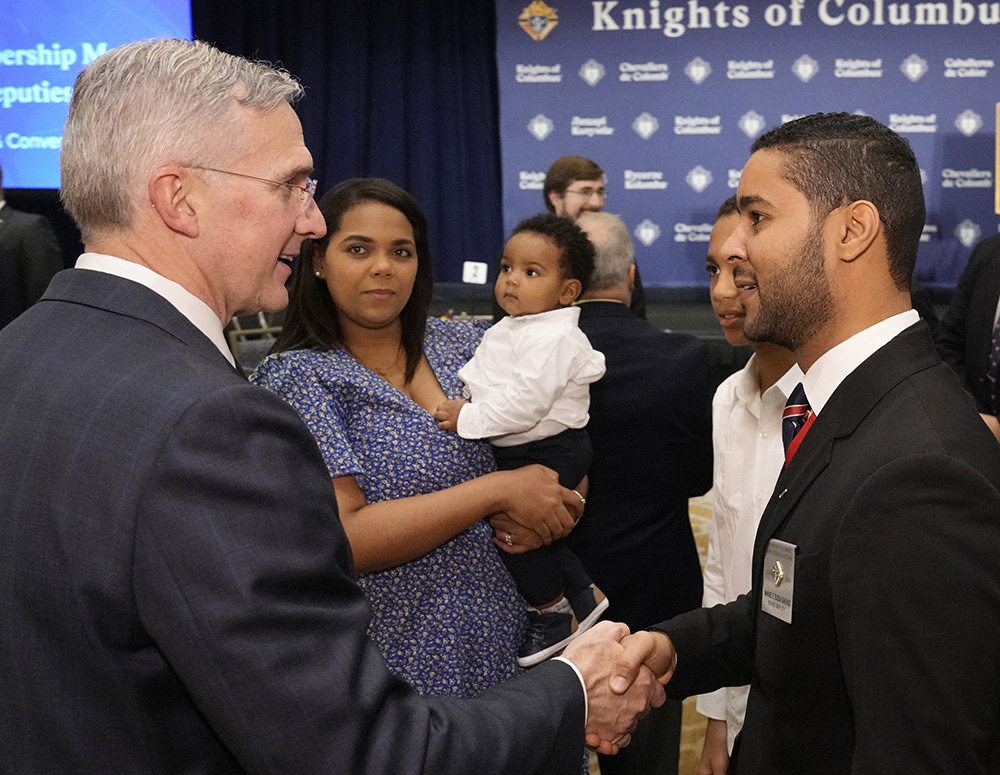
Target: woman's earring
{"type": "Point", "coordinates": [317, 273]}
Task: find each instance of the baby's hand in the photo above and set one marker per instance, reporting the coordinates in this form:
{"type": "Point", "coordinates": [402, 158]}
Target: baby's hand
{"type": "Point", "coordinates": [447, 414]}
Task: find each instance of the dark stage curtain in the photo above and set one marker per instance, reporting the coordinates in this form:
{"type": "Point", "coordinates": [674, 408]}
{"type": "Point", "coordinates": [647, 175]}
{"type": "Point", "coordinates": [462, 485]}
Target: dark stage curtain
{"type": "Point", "coordinates": [401, 89]}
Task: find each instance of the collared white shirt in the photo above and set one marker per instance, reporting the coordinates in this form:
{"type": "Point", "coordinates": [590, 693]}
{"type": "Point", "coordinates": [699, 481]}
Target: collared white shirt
{"type": "Point", "coordinates": [529, 379]}
{"type": "Point", "coordinates": [190, 306]}
{"type": "Point", "coordinates": [748, 455]}
{"type": "Point", "coordinates": [833, 366]}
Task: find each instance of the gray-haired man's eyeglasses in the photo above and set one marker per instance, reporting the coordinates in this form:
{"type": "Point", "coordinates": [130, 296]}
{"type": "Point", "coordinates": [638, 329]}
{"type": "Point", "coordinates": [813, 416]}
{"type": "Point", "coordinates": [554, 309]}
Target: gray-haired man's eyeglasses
{"type": "Point", "coordinates": [306, 193]}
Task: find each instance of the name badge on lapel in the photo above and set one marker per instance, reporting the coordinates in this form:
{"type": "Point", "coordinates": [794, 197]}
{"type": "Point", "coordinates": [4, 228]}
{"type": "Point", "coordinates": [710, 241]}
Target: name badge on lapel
{"type": "Point", "coordinates": [779, 580]}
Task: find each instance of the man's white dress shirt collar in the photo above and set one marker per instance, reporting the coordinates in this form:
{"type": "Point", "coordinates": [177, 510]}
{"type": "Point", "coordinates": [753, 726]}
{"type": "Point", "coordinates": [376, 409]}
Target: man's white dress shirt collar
{"type": "Point", "coordinates": [747, 386]}
{"type": "Point", "coordinates": [190, 306]}
{"type": "Point", "coordinates": [833, 366]}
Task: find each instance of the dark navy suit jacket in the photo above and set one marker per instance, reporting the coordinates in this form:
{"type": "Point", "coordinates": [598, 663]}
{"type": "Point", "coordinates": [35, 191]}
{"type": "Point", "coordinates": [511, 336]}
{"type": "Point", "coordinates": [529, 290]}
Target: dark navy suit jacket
{"type": "Point", "coordinates": [176, 591]}
{"type": "Point", "coordinates": [651, 429]}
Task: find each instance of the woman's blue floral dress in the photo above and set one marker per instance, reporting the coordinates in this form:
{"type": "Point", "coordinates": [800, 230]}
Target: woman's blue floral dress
{"type": "Point", "coordinates": [449, 622]}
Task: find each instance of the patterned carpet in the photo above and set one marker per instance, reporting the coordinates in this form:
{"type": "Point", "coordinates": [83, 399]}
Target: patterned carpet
{"type": "Point", "coordinates": [693, 730]}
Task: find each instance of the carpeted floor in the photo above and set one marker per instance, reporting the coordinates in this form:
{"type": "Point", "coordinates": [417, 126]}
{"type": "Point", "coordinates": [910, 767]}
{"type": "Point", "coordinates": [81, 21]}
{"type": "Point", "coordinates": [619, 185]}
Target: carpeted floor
{"type": "Point", "coordinates": [693, 731]}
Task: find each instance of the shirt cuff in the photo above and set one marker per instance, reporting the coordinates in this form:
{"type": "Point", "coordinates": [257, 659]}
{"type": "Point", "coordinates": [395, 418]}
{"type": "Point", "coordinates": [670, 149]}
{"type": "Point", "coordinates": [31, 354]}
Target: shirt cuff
{"type": "Point", "coordinates": [470, 422]}
{"type": "Point", "coordinates": [713, 704]}
{"type": "Point", "coordinates": [583, 685]}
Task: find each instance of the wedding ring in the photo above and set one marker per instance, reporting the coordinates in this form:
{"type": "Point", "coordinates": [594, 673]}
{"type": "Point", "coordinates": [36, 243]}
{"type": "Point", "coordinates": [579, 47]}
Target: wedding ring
{"type": "Point", "coordinates": [506, 537]}
{"type": "Point", "coordinates": [582, 499]}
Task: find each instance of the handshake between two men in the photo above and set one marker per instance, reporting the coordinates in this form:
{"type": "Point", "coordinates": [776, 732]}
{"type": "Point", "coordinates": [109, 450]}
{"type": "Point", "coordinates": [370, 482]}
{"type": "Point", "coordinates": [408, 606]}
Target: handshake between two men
{"type": "Point", "coordinates": [624, 674]}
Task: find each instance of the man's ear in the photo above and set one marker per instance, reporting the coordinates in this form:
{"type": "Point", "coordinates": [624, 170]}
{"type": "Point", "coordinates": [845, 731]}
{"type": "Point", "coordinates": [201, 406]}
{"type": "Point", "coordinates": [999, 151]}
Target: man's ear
{"type": "Point", "coordinates": [631, 279]}
{"type": "Point", "coordinates": [857, 226]}
{"type": "Point", "coordinates": [171, 192]}
{"type": "Point", "coordinates": [555, 198]}
{"type": "Point", "coordinates": [571, 290]}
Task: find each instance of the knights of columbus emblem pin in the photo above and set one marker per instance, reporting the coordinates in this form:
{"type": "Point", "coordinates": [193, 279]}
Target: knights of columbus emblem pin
{"type": "Point", "coordinates": [777, 573]}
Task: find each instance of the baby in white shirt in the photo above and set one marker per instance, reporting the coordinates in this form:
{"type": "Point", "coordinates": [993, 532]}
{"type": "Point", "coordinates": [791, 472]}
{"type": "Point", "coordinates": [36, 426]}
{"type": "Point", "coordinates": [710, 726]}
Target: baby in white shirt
{"type": "Point", "coordinates": [529, 387]}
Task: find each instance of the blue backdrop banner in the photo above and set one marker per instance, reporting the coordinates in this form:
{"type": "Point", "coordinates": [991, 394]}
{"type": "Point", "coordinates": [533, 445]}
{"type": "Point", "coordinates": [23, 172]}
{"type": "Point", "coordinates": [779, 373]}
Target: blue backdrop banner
{"type": "Point", "coordinates": [668, 96]}
{"type": "Point", "coordinates": [44, 44]}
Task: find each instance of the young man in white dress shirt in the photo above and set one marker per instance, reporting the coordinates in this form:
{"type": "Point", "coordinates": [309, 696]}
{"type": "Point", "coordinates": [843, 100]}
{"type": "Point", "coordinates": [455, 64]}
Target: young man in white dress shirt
{"type": "Point", "coordinates": [748, 455]}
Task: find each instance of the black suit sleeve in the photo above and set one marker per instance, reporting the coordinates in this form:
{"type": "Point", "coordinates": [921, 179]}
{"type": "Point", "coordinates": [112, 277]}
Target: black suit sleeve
{"type": "Point", "coordinates": [694, 418]}
{"type": "Point", "coordinates": [713, 647]}
{"type": "Point", "coordinates": [249, 595]}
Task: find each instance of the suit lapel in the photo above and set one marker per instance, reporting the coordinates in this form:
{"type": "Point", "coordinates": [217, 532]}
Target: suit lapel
{"type": "Point", "coordinates": [809, 462]}
{"type": "Point", "coordinates": [909, 352]}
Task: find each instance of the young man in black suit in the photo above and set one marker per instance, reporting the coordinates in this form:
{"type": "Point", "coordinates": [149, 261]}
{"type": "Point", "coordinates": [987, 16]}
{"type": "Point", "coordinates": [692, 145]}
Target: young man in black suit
{"type": "Point", "coordinates": [177, 593]}
{"type": "Point", "coordinates": [876, 579]}
{"type": "Point", "coordinates": [651, 430]}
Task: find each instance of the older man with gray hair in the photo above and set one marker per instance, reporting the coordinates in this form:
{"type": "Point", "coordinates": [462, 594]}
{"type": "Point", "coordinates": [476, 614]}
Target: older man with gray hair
{"type": "Point", "coordinates": [176, 591]}
{"type": "Point", "coordinates": [650, 426]}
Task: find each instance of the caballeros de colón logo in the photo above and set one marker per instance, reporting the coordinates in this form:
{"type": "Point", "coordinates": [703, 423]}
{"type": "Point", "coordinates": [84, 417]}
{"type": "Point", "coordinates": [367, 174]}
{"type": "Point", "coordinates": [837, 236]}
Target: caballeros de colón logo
{"type": "Point", "coordinates": [538, 20]}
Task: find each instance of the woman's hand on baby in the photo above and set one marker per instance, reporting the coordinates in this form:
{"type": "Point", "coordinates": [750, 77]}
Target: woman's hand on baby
{"type": "Point", "coordinates": [513, 537]}
{"type": "Point", "coordinates": [447, 414]}
{"type": "Point", "coordinates": [535, 500]}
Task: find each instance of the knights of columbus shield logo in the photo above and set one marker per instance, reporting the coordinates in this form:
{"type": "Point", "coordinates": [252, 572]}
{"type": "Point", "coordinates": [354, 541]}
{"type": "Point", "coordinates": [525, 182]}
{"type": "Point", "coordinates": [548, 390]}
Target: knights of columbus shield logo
{"type": "Point", "coordinates": [968, 233]}
{"type": "Point", "coordinates": [698, 70]}
{"type": "Point", "coordinates": [914, 67]}
{"type": "Point", "coordinates": [647, 232]}
{"type": "Point", "coordinates": [805, 68]}
{"type": "Point", "coordinates": [644, 125]}
{"type": "Point", "coordinates": [699, 178]}
{"type": "Point", "coordinates": [541, 126]}
{"type": "Point", "coordinates": [968, 123]}
{"type": "Point", "coordinates": [592, 71]}
{"type": "Point", "coordinates": [538, 20]}
{"type": "Point", "coordinates": [752, 123]}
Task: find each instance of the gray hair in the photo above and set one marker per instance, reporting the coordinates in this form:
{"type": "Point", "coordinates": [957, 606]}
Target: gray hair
{"type": "Point", "coordinates": [615, 251]}
{"type": "Point", "coordinates": [146, 104]}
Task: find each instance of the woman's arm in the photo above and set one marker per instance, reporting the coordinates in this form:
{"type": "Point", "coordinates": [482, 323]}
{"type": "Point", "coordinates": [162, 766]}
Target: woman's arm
{"type": "Point", "coordinates": [389, 533]}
